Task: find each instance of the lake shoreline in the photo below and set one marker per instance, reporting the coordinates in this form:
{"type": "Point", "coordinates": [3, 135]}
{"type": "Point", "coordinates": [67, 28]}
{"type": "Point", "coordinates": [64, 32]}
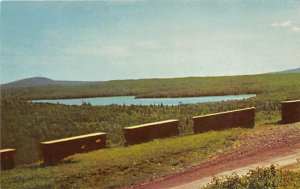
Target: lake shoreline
{"type": "Point", "coordinates": [139, 97]}
{"type": "Point", "coordinates": [132, 100]}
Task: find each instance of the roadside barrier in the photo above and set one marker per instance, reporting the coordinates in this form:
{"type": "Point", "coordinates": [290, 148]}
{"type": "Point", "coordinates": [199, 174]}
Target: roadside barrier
{"type": "Point", "coordinates": [224, 120]}
{"type": "Point", "coordinates": [147, 132]}
{"type": "Point", "coordinates": [55, 150]}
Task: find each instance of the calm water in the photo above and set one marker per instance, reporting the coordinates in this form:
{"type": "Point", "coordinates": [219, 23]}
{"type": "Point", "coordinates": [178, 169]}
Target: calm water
{"type": "Point", "coordinates": [128, 100]}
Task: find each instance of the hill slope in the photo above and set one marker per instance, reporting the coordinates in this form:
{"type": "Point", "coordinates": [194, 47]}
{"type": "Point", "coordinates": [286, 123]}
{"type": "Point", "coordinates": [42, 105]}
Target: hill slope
{"type": "Point", "coordinates": [40, 81]}
{"type": "Point", "coordinates": [156, 88]}
{"type": "Point", "coordinates": [296, 70]}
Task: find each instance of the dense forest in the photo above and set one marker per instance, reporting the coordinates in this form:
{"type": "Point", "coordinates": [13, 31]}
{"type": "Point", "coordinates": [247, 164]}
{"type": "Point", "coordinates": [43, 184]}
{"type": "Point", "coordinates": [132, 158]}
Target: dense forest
{"type": "Point", "coordinates": [24, 124]}
{"type": "Point", "coordinates": [176, 87]}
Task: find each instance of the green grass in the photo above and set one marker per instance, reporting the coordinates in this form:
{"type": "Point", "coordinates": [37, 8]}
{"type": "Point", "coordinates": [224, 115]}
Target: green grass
{"type": "Point", "coordinates": [259, 178]}
{"type": "Point", "coordinates": [119, 167]}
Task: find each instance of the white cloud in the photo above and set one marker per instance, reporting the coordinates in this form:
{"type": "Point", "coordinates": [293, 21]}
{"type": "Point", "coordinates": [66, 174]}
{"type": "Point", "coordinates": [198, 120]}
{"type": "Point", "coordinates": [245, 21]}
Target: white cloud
{"type": "Point", "coordinates": [147, 44]}
{"type": "Point", "coordinates": [281, 24]}
{"type": "Point", "coordinates": [296, 29]}
{"type": "Point", "coordinates": [286, 24]}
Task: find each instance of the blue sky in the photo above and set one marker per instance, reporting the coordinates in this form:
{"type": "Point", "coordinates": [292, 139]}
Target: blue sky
{"type": "Point", "coordinates": [105, 40]}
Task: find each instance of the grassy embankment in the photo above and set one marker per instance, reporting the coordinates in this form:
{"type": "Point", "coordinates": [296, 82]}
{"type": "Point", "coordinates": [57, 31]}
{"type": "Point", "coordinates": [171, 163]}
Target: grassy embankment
{"type": "Point", "coordinates": [117, 167]}
{"type": "Point", "coordinates": [24, 125]}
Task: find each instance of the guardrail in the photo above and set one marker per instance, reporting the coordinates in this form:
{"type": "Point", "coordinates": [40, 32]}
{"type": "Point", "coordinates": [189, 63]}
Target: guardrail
{"type": "Point", "coordinates": [55, 150]}
{"type": "Point", "coordinates": [147, 132]}
{"type": "Point", "coordinates": [224, 120]}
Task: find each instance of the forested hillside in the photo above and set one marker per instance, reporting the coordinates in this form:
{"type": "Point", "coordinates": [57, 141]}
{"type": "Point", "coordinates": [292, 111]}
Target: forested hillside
{"type": "Point", "coordinates": [176, 87]}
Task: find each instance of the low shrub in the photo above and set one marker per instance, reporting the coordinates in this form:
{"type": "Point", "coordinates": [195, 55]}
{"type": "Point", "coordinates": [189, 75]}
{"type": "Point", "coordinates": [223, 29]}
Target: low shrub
{"type": "Point", "coordinates": [259, 178]}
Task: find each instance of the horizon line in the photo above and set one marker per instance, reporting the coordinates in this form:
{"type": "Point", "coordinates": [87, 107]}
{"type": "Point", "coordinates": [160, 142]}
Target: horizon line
{"type": "Point", "coordinates": [162, 77]}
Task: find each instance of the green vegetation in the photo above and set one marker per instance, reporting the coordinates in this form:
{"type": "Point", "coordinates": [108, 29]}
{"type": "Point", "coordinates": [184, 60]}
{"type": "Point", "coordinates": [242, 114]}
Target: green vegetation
{"type": "Point", "coordinates": [262, 178]}
{"type": "Point", "coordinates": [176, 87]}
{"type": "Point", "coordinates": [118, 167]}
{"type": "Point", "coordinates": [24, 125]}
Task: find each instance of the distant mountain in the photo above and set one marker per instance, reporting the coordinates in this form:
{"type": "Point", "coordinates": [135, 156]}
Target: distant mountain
{"type": "Point", "coordinates": [296, 70]}
{"type": "Point", "coordinates": [41, 81]}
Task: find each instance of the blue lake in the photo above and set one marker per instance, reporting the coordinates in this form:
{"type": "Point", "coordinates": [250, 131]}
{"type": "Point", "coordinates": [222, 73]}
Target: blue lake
{"type": "Point", "coordinates": [129, 100]}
